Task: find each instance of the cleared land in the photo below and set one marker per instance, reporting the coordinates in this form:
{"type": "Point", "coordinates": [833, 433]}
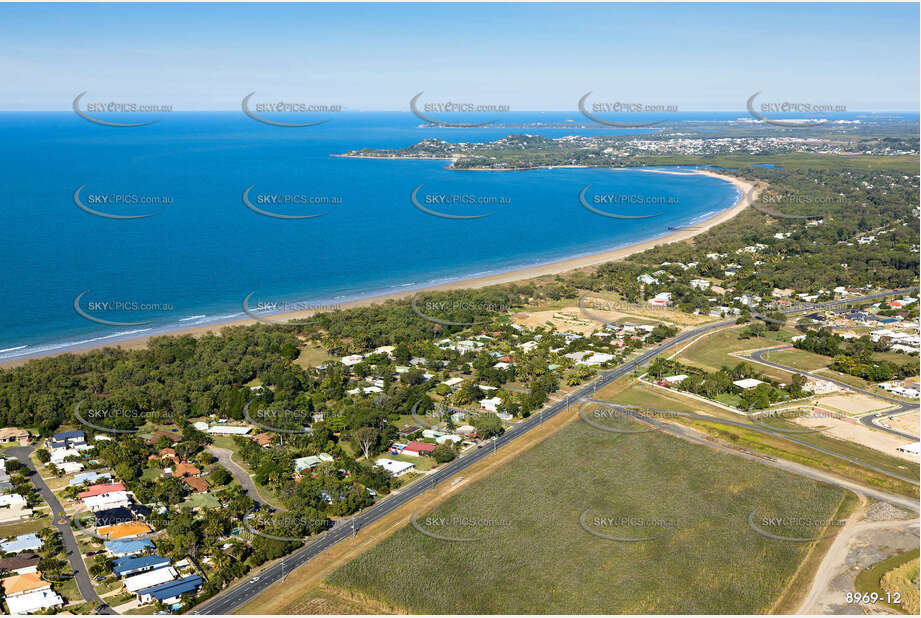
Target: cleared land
{"type": "Point", "coordinates": [642, 395]}
{"type": "Point", "coordinates": [798, 359]}
{"type": "Point", "coordinates": [859, 434]}
{"type": "Point", "coordinates": [905, 422]}
{"type": "Point", "coordinates": [535, 557]}
{"type": "Point", "coordinates": [854, 404]}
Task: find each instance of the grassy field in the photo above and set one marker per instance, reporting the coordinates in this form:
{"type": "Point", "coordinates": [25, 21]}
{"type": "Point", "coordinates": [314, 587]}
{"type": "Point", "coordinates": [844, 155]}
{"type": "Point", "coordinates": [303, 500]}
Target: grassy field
{"type": "Point", "coordinates": [311, 356]}
{"type": "Point", "coordinates": [870, 580]}
{"type": "Point", "coordinates": [798, 359]}
{"type": "Point", "coordinates": [713, 352]}
{"type": "Point", "coordinates": [23, 527]}
{"type": "Point", "coordinates": [534, 556]}
{"type": "Point", "coordinates": [642, 395]}
{"type": "Point", "coordinates": [903, 580]}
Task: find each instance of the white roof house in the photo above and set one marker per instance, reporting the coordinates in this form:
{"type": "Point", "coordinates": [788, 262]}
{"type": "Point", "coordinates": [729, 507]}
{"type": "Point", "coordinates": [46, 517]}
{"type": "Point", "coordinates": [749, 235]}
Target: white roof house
{"type": "Point", "coordinates": [149, 578]}
{"type": "Point", "coordinates": [58, 455]}
{"type": "Point", "coordinates": [700, 284]}
{"type": "Point", "coordinates": [229, 430]}
{"type": "Point", "coordinates": [491, 404]}
{"type": "Point", "coordinates": [453, 382]}
{"type": "Point", "coordinates": [747, 383]}
{"type": "Point", "coordinates": [676, 379]}
{"type": "Point", "coordinates": [11, 500]}
{"type": "Point", "coordinates": [33, 601]}
{"type": "Point", "coordinates": [354, 359]}
{"type": "Point", "coordinates": [596, 358]}
{"type": "Point", "coordinates": [110, 500]}
{"type": "Point", "coordinates": [395, 468]}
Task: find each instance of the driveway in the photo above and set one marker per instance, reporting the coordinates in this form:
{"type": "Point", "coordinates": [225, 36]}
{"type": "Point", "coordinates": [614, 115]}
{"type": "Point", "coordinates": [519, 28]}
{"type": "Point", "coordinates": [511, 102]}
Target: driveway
{"type": "Point", "coordinates": [242, 476]}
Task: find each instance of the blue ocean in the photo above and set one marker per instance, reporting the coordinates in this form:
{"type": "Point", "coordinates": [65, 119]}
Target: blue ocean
{"type": "Point", "coordinates": [202, 250]}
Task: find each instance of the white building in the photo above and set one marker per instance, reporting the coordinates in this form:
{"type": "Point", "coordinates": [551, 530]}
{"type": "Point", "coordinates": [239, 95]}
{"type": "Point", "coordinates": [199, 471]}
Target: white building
{"type": "Point", "coordinates": [747, 383]}
{"type": "Point", "coordinates": [395, 468]}
{"type": "Point", "coordinates": [110, 500]}
{"type": "Point", "coordinates": [149, 578]}
{"type": "Point", "coordinates": [491, 404]}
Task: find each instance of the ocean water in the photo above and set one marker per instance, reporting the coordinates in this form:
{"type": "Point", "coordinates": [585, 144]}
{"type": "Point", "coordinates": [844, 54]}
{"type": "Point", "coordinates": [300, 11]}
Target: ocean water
{"type": "Point", "coordinates": [197, 258]}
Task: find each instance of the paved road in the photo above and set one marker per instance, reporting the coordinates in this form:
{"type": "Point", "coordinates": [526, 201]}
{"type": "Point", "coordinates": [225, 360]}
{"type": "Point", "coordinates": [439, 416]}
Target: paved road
{"type": "Point", "coordinates": [228, 601]}
{"type": "Point", "coordinates": [242, 477]}
{"type": "Point", "coordinates": [760, 429]}
{"type": "Point", "coordinates": [70, 542]}
{"type": "Point", "coordinates": [867, 419]}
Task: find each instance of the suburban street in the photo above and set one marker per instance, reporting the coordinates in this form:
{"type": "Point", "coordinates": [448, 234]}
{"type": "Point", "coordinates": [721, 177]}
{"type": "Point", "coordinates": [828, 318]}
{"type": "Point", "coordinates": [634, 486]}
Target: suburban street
{"type": "Point", "coordinates": [228, 601]}
{"type": "Point", "coordinates": [868, 419]}
{"type": "Point", "coordinates": [242, 477]}
{"type": "Point", "coordinates": [67, 535]}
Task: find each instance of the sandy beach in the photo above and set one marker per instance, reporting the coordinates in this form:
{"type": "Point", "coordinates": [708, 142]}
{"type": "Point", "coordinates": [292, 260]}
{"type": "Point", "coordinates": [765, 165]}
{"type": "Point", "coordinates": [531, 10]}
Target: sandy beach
{"type": "Point", "coordinates": [500, 278]}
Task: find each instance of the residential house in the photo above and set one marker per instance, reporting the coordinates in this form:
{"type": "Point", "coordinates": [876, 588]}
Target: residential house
{"type": "Point", "coordinates": [417, 449]}
{"type": "Point", "coordinates": [28, 593]}
{"type": "Point", "coordinates": [171, 592]}
{"type": "Point", "coordinates": [395, 468]}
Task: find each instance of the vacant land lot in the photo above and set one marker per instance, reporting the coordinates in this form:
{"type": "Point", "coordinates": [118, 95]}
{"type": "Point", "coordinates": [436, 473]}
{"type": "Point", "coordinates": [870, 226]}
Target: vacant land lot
{"type": "Point", "coordinates": [904, 422]}
{"type": "Point", "coordinates": [533, 554]}
{"type": "Point", "coordinates": [854, 404]}
{"type": "Point", "coordinates": [640, 394]}
{"type": "Point", "coordinates": [714, 351]}
{"type": "Point", "coordinates": [798, 359]}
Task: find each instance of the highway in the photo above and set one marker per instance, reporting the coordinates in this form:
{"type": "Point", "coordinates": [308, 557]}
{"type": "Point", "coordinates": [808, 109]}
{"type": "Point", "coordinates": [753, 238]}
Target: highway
{"type": "Point", "coordinates": [231, 599]}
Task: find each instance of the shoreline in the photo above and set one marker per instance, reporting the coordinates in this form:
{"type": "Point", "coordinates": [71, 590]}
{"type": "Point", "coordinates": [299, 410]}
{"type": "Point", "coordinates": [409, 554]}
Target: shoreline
{"type": "Point", "coordinates": [519, 274]}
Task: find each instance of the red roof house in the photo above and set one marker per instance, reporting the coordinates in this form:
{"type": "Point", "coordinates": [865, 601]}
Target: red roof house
{"type": "Point", "coordinates": [415, 448]}
{"type": "Point", "coordinates": [98, 490]}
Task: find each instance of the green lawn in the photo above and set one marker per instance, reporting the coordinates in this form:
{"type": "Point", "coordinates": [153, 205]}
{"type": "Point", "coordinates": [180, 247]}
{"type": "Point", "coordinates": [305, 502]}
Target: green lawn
{"type": "Point", "coordinates": [535, 557]}
{"type": "Point", "coordinates": [207, 501]}
{"type": "Point", "coordinates": [422, 463]}
{"type": "Point", "coordinates": [798, 359]}
{"type": "Point", "coordinates": [868, 580]}
{"type": "Point", "coordinates": [23, 527]}
{"type": "Point", "coordinates": [311, 356]}
{"type": "Point", "coordinates": [712, 352]}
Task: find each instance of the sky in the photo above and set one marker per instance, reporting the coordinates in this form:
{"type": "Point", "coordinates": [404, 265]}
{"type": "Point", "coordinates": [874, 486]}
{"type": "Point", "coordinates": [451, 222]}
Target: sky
{"type": "Point", "coordinates": [526, 56]}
